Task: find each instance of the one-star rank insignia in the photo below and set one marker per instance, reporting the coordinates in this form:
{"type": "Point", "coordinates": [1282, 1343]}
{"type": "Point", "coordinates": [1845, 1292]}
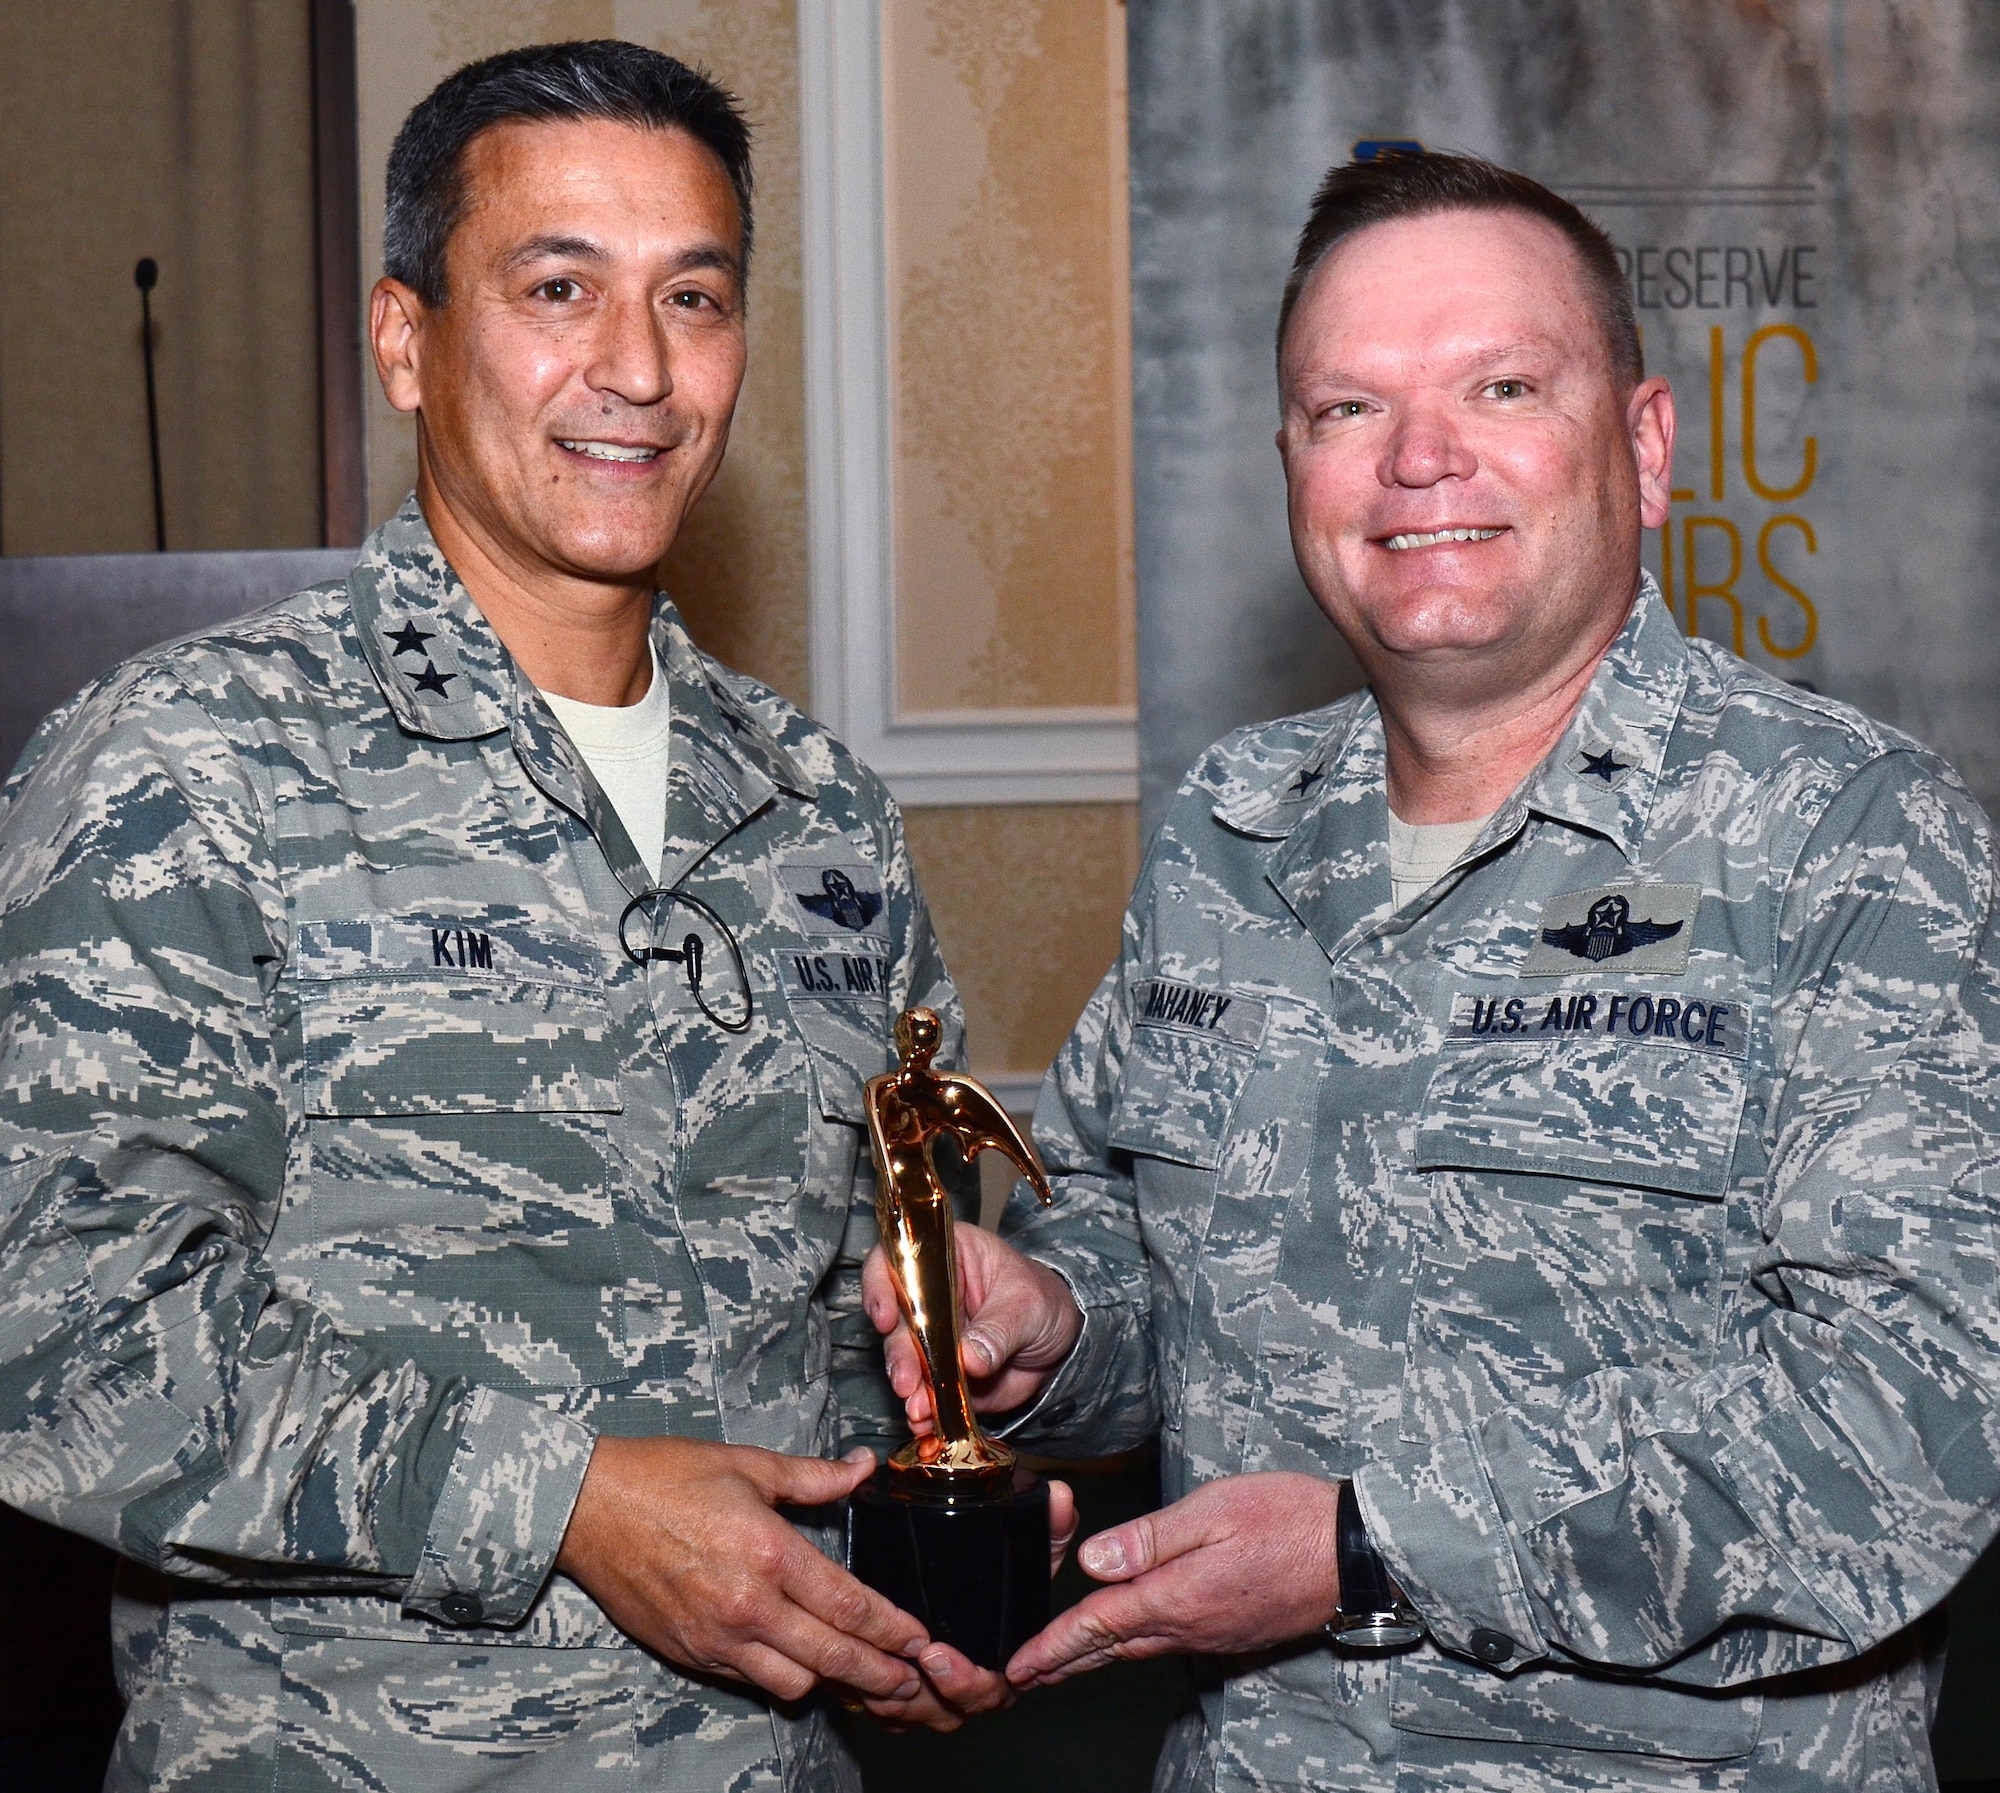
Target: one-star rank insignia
{"type": "Point", "coordinates": [430, 679]}
{"type": "Point", "coordinates": [1307, 778]}
{"type": "Point", "coordinates": [1605, 765]}
{"type": "Point", "coordinates": [409, 639]}
{"type": "Point", "coordinates": [1609, 932]}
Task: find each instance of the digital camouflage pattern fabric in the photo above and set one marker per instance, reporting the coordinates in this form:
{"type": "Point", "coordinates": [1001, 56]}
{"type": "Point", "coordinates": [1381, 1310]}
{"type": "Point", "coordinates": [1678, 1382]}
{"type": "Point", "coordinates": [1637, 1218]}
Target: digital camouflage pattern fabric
{"type": "Point", "coordinates": [355, 1178]}
{"type": "Point", "coordinates": [1643, 1277]}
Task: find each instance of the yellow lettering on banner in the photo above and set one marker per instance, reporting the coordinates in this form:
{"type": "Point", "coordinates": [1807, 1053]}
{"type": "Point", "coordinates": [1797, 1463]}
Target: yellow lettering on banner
{"type": "Point", "coordinates": [1787, 587]}
{"type": "Point", "coordinates": [1725, 589]}
{"type": "Point", "coordinates": [1776, 494]}
{"type": "Point", "coordinates": [1715, 449]}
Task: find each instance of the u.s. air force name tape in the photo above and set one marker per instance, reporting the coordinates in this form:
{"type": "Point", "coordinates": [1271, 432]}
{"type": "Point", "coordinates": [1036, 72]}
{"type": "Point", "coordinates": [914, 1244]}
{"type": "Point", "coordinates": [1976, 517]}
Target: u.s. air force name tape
{"type": "Point", "coordinates": [1685, 1023]}
{"type": "Point", "coordinates": [814, 972]}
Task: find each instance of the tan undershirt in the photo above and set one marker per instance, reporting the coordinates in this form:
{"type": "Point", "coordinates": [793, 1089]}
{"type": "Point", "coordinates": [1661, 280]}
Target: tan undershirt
{"type": "Point", "coordinates": [628, 748]}
{"type": "Point", "coordinates": [1420, 853]}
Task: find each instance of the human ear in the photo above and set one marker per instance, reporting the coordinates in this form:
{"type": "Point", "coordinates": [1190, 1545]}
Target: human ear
{"type": "Point", "coordinates": [395, 333]}
{"type": "Point", "coordinates": [1649, 421]}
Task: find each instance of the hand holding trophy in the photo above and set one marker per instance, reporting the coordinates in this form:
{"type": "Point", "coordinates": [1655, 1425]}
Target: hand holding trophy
{"type": "Point", "coordinates": [951, 1528]}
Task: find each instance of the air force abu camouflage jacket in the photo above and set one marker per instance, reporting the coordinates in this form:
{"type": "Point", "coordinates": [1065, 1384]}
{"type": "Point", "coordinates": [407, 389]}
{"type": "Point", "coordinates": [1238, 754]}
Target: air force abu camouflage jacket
{"type": "Point", "coordinates": [1620, 1214]}
{"type": "Point", "coordinates": [354, 1178]}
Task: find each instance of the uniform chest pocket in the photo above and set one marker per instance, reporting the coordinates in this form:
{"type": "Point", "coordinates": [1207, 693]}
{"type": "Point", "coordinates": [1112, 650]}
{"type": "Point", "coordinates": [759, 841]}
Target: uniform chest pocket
{"type": "Point", "coordinates": [847, 1037]}
{"type": "Point", "coordinates": [1655, 1110]}
{"type": "Point", "coordinates": [456, 1084]}
{"type": "Point", "coordinates": [1177, 1094]}
{"type": "Point", "coordinates": [1575, 1221]}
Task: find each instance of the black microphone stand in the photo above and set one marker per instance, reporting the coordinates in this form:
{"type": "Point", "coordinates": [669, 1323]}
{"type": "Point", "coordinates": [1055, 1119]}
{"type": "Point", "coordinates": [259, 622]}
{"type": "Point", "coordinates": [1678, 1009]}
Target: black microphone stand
{"type": "Point", "coordinates": [146, 276]}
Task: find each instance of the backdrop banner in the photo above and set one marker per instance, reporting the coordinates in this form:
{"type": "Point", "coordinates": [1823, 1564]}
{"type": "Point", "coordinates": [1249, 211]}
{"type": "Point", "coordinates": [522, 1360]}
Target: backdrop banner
{"type": "Point", "coordinates": [1804, 199]}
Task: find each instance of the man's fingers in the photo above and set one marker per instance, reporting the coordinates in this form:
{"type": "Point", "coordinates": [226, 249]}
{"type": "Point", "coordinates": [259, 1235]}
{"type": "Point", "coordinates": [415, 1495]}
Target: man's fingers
{"type": "Point", "coordinates": [1122, 1552]}
{"type": "Point", "coordinates": [878, 1291]}
{"type": "Point", "coordinates": [830, 1653]}
{"type": "Point", "coordinates": [835, 1656]}
{"type": "Point", "coordinates": [1010, 1320]}
{"type": "Point", "coordinates": [805, 1481]}
{"type": "Point", "coordinates": [961, 1682]}
{"type": "Point", "coordinates": [773, 1671]}
{"type": "Point", "coordinates": [1062, 1522]}
{"type": "Point", "coordinates": [1112, 1624]}
{"type": "Point", "coordinates": [833, 1597]}
{"type": "Point", "coordinates": [1144, 1543]}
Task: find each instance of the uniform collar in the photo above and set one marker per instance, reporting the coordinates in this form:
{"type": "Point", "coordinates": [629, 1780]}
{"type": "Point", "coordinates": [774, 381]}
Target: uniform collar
{"type": "Point", "coordinates": [1601, 775]}
{"type": "Point", "coordinates": [431, 649]}
{"type": "Point", "coordinates": [447, 675]}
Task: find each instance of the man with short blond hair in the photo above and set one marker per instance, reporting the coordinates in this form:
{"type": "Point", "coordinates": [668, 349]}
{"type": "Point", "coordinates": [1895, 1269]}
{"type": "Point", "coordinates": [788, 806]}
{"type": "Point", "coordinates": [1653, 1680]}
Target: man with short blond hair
{"type": "Point", "coordinates": [1531, 1160]}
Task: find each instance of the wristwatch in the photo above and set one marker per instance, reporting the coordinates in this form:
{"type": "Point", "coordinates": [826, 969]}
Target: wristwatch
{"type": "Point", "coordinates": [1373, 1613]}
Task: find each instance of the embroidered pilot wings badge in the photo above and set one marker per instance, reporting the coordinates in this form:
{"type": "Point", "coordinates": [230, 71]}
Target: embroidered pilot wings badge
{"type": "Point", "coordinates": [834, 899]}
{"type": "Point", "coordinates": [838, 900]}
{"type": "Point", "coordinates": [1639, 927]}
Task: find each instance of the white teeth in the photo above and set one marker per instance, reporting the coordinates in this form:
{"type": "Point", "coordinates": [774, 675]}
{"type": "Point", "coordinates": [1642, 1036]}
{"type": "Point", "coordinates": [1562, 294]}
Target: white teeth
{"type": "Point", "coordinates": [610, 451]}
{"type": "Point", "coordinates": [1441, 535]}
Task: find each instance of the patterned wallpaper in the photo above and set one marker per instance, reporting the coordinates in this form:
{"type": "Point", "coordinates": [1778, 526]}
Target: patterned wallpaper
{"type": "Point", "coordinates": [1004, 127]}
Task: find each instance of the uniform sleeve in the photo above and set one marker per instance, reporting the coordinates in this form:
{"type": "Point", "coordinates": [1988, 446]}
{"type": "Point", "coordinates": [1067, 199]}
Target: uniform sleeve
{"type": "Point", "coordinates": [870, 1414]}
{"type": "Point", "coordinates": [158, 1391]}
{"type": "Point", "coordinates": [1104, 1398]}
{"type": "Point", "coordinates": [1837, 1469]}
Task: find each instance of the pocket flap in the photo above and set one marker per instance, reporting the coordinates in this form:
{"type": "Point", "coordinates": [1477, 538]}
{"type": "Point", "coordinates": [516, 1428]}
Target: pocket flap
{"type": "Point", "coordinates": [406, 1017]}
{"type": "Point", "coordinates": [1597, 1111]}
{"type": "Point", "coordinates": [1176, 1094]}
{"type": "Point", "coordinates": [1439, 1696]}
{"type": "Point", "coordinates": [848, 1041]}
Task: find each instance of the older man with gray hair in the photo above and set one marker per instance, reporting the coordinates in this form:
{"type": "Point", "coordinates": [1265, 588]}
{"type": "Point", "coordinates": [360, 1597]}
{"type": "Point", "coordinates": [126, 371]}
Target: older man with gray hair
{"type": "Point", "coordinates": [432, 1194]}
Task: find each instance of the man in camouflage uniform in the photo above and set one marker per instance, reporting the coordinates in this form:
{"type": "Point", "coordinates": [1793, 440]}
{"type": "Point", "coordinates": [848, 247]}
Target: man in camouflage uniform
{"type": "Point", "coordinates": [430, 1216]}
{"type": "Point", "coordinates": [1609, 1210]}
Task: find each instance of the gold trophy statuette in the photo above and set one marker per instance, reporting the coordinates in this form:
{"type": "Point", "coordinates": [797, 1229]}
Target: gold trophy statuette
{"type": "Point", "coordinates": [951, 1528]}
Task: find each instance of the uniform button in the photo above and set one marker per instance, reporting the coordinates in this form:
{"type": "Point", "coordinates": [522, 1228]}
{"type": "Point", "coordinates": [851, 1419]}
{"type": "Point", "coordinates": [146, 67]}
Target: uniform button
{"type": "Point", "coordinates": [1492, 1647]}
{"type": "Point", "coordinates": [467, 1609]}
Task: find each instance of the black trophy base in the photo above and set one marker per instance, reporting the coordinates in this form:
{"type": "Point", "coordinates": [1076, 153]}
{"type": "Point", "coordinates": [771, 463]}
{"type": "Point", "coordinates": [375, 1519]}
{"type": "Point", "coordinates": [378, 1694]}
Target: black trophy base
{"type": "Point", "coordinates": [973, 1569]}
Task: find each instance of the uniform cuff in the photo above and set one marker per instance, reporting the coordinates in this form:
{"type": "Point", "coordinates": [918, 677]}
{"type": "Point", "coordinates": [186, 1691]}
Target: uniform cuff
{"type": "Point", "coordinates": [1434, 1520]}
{"type": "Point", "coordinates": [1075, 1390]}
{"type": "Point", "coordinates": [500, 1521]}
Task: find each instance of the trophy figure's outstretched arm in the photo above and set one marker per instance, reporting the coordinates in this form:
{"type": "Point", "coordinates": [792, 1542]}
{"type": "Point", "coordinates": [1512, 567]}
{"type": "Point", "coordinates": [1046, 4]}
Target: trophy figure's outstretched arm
{"type": "Point", "coordinates": [980, 1124]}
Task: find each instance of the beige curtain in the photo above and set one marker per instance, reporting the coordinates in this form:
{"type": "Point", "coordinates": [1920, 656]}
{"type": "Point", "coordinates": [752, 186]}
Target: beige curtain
{"type": "Point", "coordinates": [181, 130]}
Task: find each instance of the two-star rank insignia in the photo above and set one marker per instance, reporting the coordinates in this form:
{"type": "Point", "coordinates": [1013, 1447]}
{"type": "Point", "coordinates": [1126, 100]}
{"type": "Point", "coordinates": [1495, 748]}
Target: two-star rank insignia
{"type": "Point", "coordinates": [409, 639]}
{"type": "Point", "coordinates": [430, 679]}
{"type": "Point", "coordinates": [1605, 765]}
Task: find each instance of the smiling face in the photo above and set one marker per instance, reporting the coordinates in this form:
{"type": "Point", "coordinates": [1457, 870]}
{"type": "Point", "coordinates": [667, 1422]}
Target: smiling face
{"type": "Point", "coordinates": [575, 390]}
{"type": "Point", "coordinates": [1466, 479]}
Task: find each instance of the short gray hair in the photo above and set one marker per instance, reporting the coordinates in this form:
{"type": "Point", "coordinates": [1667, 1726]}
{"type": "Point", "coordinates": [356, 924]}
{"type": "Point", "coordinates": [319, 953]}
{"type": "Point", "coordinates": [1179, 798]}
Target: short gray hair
{"type": "Point", "coordinates": [601, 78]}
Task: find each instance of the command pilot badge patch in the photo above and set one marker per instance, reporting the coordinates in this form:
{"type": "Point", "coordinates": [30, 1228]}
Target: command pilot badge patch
{"type": "Point", "coordinates": [835, 899]}
{"type": "Point", "coordinates": [1622, 927]}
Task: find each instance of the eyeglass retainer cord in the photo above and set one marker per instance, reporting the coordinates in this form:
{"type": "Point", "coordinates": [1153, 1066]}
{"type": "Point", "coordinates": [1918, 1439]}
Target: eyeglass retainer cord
{"type": "Point", "coordinates": [689, 955]}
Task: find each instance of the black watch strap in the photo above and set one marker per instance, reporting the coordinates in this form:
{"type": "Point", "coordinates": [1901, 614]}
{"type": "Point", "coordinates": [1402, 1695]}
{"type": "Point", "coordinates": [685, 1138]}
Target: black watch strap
{"type": "Point", "coordinates": [1373, 1613]}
